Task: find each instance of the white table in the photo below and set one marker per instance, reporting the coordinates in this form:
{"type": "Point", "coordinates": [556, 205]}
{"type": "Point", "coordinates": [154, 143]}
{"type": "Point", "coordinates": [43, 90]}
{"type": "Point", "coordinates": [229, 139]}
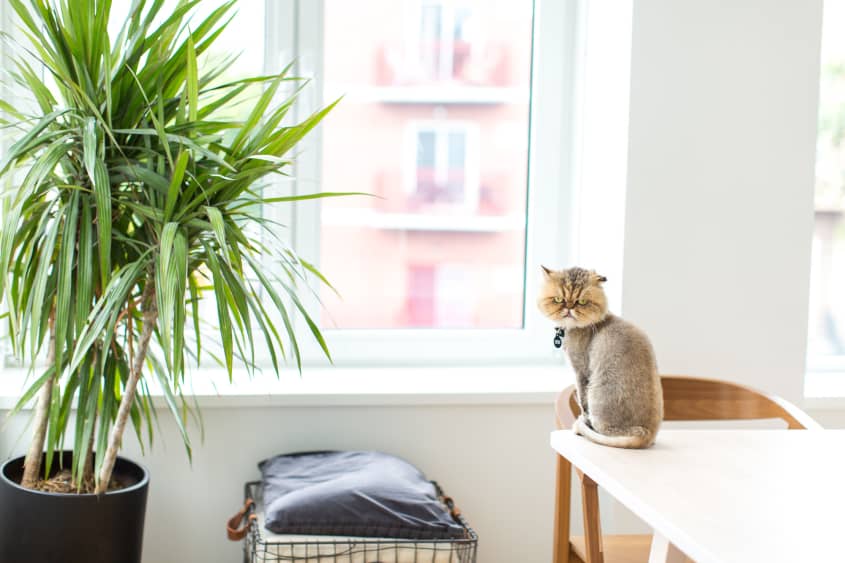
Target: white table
{"type": "Point", "coordinates": [728, 496]}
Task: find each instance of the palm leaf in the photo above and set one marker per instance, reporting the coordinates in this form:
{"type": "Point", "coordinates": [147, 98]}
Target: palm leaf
{"type": "Point", "coordinates": [130, 188]}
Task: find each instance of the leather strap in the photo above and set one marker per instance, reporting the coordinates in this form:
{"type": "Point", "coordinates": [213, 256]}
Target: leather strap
{"type": "Point", "coordinates": [450, 504]}
{"type": "Point", "coordinates": [238, 525]}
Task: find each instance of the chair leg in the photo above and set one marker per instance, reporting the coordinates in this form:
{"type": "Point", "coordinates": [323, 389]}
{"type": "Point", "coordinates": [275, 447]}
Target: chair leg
{"type": "Point", "coordinates": [563, 499]}
{"type": "Point", "coordinates": [664, 552]}
{"type": "Point", "coordinates": [592, 521]}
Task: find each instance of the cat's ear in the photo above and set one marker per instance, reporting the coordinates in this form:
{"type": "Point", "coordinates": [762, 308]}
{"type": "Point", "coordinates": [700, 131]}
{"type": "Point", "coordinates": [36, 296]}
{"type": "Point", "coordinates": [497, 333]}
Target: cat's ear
{"type": "Point", "coordinates": [599, 278]}
{"type": "Point", "coordinates": [546, 272]}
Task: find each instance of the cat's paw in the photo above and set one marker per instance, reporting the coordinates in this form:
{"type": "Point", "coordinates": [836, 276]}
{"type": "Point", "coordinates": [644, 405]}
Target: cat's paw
{"type": "Point", "coordinates": [576, 426]}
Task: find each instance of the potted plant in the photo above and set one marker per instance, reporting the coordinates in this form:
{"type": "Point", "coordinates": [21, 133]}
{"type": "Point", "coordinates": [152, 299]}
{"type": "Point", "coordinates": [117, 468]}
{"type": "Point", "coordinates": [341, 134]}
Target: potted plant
{"type": "Point", "coordinates": [131, 193]}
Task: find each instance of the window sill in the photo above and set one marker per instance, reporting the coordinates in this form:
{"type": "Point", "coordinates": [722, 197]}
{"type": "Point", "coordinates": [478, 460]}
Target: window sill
{"type": "Point", "coordinates": [824, 389]}
{"type": "Point", "coordinates": [518, 384]}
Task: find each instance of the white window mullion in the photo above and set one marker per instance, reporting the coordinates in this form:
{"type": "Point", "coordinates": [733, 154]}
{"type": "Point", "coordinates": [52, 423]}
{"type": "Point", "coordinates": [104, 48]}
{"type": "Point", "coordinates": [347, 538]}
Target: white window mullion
{"type": "Point", "coordinates": [307, 17]}
{"type": "Point", "coordinates": [447, 40]}
{"type": "Point", "coordinates": [308, 65]}
{"type": "Point", "coordinates": [279, 50]}
{"type": "Point", "coordinates": [6, 26]}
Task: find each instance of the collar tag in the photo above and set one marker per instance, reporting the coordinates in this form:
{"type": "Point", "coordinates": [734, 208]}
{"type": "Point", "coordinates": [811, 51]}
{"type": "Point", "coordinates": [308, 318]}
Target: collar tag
{"type": "Point", "coordinates": [559, 334]}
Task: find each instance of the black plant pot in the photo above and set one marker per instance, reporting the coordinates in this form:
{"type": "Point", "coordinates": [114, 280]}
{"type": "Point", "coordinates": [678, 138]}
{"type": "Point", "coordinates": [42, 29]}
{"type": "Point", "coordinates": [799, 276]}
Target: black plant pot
{"type": "Point", "coordinates": [38, 527]}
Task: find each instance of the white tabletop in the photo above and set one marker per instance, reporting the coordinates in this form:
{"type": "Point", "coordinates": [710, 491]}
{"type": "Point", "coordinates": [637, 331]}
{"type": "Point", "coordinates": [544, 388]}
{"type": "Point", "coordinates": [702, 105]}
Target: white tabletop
{"type": "Point", "coordinates": [730, 496]}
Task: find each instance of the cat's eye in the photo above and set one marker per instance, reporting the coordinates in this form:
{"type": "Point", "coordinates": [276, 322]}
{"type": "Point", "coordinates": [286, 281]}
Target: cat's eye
{"type": "Point", "coordinates": [582, 301]}
{"type": "Point", "coordinates": [558, 299]}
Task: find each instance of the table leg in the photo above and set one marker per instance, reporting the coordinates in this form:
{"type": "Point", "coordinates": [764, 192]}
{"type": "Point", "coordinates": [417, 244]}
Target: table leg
{"type": "Point", "coordinates": [664, 552]}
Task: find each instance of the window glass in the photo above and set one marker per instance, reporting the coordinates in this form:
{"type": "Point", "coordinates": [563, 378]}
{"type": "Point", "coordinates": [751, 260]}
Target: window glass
{"type": "Point", "coordinates": [826, 346]}
{"type": "Point", "coordinates": [435, 124]}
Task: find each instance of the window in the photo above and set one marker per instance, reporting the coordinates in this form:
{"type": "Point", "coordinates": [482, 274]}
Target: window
{"type": "Point", "coordinates": [826, 344]}
{"type": "Point", "coordinates": [444, 167]}
{"type": "Point", "coordinates": [455, 124]}
{"type": "Point", "coordinates": [439, 121]}
{"type": "Point", "coordinates": [443, 42]}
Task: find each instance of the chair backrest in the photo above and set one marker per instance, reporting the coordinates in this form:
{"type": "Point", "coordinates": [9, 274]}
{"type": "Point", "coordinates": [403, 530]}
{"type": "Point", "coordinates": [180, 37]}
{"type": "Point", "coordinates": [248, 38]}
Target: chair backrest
{"type": "Point", "coordinates": [692, 398]}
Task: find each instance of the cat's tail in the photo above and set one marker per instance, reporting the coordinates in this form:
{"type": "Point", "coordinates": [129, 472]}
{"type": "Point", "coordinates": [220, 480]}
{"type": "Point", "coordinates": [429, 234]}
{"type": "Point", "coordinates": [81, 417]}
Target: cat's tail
{"type": "Point", "coordinates": [636, 437]}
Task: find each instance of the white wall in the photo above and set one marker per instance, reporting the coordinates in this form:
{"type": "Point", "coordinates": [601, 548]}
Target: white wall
{"type": "Point", "coordinates": [494, 461]}
{"type": "Point", "coordinates": [720, 185]}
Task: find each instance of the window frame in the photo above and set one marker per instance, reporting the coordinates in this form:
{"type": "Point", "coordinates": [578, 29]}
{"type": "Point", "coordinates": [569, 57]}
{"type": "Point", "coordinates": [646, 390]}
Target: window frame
{"type": "Point", "coordinates": [549, 224]}
{"type": "Point", "coordinates": [7, 25]}
{"type": "Point", "coordinates": [823, 373]}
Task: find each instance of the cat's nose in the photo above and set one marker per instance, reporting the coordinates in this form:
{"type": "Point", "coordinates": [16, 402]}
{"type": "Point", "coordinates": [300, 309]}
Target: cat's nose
{"type": "Point", "coordinates": [564, 313]}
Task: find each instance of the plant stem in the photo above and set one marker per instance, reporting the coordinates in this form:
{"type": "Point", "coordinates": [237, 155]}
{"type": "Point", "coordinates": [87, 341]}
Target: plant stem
{"type": "Point", "coordinates": [88, 469]}
{"type": "Point", "coordinates": [116, 436]}
{"type": "Point", "coordinates": [32, 461]}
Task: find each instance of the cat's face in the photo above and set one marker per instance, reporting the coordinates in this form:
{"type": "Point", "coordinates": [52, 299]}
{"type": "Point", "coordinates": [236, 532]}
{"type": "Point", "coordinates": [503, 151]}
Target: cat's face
{"type": "Point", "coordinates": [573, 298]}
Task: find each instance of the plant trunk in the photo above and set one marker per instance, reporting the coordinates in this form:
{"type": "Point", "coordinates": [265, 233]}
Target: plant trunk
{"type": "Point", "coordinates": [116, 436]}
{"type": "Point", "coordinates": [32, 462]}
{"type": "Point", "coordinates": [88, 468]}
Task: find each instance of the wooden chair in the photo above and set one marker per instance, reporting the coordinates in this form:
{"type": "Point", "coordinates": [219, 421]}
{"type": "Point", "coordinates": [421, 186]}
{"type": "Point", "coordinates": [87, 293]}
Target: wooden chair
{"type": "Point", "coordinates": [684, 398]}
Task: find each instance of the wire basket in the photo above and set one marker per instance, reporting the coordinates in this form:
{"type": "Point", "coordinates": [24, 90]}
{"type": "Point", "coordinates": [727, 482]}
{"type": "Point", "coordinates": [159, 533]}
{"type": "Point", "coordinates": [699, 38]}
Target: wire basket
{"type": "Point", "coordinates": [261, 546]}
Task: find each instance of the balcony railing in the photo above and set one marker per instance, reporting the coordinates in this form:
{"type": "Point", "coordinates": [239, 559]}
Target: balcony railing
{"type": "Point", "coordinates": [432, 190]}
{"type": "Point", "coordinates": [454, 63]}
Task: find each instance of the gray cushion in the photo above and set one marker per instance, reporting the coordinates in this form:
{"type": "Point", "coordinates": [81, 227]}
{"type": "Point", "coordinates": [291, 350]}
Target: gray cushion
{"type": "Point", "coordinates": [367, 494]}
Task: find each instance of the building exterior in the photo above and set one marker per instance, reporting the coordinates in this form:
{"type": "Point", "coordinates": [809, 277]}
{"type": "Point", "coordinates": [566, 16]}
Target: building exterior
{"type": "Point", "coordinates": [434, 122]}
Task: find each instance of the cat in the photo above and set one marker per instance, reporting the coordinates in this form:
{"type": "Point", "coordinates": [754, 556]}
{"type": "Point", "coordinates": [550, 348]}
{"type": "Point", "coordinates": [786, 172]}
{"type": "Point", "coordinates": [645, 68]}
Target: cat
{"type": "Point", "coordinates": [617, 384]}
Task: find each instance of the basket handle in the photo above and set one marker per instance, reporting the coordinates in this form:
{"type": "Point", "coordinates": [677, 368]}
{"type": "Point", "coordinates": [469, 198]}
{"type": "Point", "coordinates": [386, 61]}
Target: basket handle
{"type": "Point", "coordinates": [237, 525]}
{"type": "Point", "coordinates": [450, 504]}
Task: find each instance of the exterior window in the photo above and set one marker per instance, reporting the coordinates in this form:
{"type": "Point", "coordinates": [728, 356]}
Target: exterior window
{"type": "Point", "coordinates": [826, 345]}
{"type": "Point", "coordinates": [444, 45]}
{"type": "Point", "coordinates": [443, 172]}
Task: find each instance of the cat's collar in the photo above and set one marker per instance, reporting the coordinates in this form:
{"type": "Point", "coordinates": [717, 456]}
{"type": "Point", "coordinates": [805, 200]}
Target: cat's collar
{"type": "Point", "coordinates": [559, 334]}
